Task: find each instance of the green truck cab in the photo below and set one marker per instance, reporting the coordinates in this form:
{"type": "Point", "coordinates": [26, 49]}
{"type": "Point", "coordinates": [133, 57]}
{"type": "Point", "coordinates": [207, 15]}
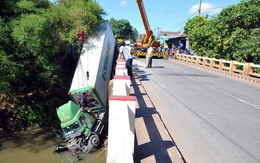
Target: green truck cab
{"type": "Point", "coordinates": [74, 121]}
{"type": "Point", "coordinates": [81, 128]}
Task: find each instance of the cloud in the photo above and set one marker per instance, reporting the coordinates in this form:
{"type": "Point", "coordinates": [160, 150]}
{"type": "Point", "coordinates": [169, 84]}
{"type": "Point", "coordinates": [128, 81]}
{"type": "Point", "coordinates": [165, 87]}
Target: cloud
{"type": "Point", "coordinates": [206, 8]}
{"type": "Point", "coordinates": [123, 2]}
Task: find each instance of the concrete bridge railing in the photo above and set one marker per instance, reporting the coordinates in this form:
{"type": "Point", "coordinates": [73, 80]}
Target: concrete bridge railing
{"type": "Point", "coordinates": [244, 69]}
{"type": "Point", "coordinates": [121, 126]}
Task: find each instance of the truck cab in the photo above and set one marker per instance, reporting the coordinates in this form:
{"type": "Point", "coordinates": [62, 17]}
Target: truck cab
{"type": "Point", "coordinates": [74, 121]}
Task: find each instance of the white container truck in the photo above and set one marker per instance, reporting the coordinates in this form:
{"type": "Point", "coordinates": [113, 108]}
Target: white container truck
{"type": "Point", "coordinates": [82, 118]}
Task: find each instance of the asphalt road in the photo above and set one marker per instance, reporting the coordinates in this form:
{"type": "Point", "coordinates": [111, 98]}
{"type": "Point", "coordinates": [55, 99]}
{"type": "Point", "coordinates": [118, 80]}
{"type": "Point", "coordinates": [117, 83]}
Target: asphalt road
{"type": "Point", "coordinates": [211, 118]}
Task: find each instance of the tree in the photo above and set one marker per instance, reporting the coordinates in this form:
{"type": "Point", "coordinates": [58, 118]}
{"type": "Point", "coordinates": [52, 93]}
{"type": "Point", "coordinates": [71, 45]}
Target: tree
{"type": "Point", "coordinates": [198, 34]}
{"type": "Point", "coordinates": [123, 30]}
{"type": "Point", "coordinates": [7, 9]}
{"type": "Point", "coordinates": [36, 72]}
{"type": "Point", "coordinates": [239, 23]}
{"type": "Point", "coordinates": [232, 35]}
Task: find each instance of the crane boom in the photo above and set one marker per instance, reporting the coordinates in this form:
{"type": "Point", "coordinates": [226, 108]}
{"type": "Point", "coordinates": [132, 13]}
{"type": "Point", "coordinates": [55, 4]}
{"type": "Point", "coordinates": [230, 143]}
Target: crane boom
{"type": "Point", "coordinates": [144, 18]}
{"type": "Point", "coordinates": [148, 39]}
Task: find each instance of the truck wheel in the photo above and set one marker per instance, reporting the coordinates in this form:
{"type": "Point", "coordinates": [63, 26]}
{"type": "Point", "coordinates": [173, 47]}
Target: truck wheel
{"type": "Point", "coordinates": [94, 140]}
{"type": "Point", "coordinates": [87, 148]}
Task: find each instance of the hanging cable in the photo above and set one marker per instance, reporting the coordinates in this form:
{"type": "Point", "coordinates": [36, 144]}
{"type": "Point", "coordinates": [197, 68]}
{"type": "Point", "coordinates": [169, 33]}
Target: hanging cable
{"type": "Point", "coordinates": [184, 20]}
{"type": "Point", "coordinates": [174, 14]}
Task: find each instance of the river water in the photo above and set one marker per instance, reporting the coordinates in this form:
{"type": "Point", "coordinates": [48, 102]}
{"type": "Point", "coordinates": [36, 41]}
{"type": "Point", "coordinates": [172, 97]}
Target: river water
{"type": "Point", "coordinates": [37, 147]}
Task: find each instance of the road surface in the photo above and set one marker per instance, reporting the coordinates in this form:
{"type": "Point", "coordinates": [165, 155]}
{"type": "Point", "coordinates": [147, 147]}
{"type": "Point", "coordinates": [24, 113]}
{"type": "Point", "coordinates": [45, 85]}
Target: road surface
{"type": "Point", "coordinates": [211, 118]}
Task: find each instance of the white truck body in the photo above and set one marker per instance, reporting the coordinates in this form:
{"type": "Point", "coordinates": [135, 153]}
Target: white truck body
{"type": "Point", "coordinates": [96, 59]}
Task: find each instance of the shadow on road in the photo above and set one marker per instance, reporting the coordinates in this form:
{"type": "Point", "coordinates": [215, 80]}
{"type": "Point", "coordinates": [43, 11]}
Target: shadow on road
{"type": "Point", "coordinates": [156, 147]}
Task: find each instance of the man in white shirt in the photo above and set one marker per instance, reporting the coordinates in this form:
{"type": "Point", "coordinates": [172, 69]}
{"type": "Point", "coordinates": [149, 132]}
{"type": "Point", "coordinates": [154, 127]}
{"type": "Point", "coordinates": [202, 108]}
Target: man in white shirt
{"type": "Point", "coordinates": [125, 51]}
{"type": "Point", "coordinates": [149, 56]}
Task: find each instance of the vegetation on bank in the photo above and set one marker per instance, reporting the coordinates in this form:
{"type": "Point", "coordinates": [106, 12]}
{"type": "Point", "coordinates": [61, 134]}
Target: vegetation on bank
{"type": "Point", "coordinates": [38, 53]}
{"type": "Point", "coordinates": [234, 34]}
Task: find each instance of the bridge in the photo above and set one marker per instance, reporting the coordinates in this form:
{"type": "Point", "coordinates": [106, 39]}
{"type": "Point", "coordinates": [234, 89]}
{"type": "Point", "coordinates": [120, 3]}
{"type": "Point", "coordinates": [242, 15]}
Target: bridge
{"type": "Point", "coordinates": [189, 113]}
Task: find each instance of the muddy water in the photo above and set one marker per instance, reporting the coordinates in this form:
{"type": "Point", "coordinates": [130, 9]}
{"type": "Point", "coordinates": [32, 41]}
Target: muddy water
{"type": "Point", "coordinates": [37, 147]}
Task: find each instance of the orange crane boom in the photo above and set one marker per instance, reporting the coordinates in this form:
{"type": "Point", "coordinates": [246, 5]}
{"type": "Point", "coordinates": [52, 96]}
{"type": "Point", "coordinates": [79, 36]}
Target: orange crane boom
{"type": "Point", "coordinates": [144, 18]}
{"type": "Point", "coordinates": [148, 39]}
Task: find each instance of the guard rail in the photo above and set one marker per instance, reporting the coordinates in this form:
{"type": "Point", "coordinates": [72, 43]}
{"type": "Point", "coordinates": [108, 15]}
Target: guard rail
{"type": "Point", "coordinates": [244, 69]}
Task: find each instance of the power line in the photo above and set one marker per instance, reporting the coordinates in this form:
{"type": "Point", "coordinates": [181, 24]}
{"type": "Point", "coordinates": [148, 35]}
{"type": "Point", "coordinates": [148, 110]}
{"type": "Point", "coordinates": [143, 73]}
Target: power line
{"type": "Point", "coordinates": [218, 7]}
{"type": "Point", "coordinates": [198, 10]}
{"type": "Point", "coordinates": [174, 14]}
{"type": "Point", "coordinates": [184, 20]}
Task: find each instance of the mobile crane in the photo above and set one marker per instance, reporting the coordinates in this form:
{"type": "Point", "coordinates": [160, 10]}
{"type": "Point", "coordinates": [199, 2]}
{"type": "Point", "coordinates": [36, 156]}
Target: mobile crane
{"type": "Point", "coordinates": [149, 37]}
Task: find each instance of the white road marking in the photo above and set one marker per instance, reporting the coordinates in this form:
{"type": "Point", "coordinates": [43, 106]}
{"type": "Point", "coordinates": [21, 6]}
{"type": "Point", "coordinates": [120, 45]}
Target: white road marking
{"type": "Point", "coordinates": [241, 100]}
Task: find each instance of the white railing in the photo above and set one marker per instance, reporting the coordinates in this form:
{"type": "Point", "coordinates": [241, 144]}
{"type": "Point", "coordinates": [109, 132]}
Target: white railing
{"type": "Point", "coordinates": [121, 126]}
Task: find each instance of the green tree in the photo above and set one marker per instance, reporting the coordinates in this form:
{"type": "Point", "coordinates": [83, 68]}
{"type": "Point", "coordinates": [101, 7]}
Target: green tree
{"type": "Point", "coordinates": [237, 25]}
{"type": "Point", "coordinates": [7, 9]}
{"type": "Point", "coordinates": [7, 67]}
{"type": "Point", "coordinates": [196, 29]}
{"type": "Point", "coordinates": [233, 34]}
{"type": "Point", "coordinates": [34, 35]}
{"type": "Point", "coordinates": [123, 29]}
{"type": "Point", "coordinates": [73, 16]}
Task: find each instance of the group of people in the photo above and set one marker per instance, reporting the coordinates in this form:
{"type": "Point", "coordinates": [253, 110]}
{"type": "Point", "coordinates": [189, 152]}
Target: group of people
{"type": "Point", "coordinates": [173, 50]}
{"type": "Point", "coordinates": [125, 54]}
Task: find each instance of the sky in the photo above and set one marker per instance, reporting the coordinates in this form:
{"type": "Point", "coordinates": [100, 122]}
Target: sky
{"type": "Point", "coordinates": [163, 15]}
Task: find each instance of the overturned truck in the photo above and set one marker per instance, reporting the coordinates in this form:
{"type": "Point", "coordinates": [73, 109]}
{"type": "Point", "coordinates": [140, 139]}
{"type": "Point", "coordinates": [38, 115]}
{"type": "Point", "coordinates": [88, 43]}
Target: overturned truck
{"type": "Point", "coordinates": [83, 117]}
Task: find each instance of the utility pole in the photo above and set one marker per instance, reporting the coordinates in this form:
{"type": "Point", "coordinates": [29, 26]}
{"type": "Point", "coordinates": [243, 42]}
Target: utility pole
{"type": "Point", "coordinates": [200, 7]}
{"type": "Point", "coordinates": [158, 30]}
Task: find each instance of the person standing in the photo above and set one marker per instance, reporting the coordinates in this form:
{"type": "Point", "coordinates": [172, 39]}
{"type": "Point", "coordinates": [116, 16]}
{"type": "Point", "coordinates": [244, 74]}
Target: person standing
{"type": "Point", "coordinates": [149, 56]}
{"type": "Point", "coordinates": [125, 53]}
{"type": "Point", "coordinates": [180, 47]}
{"type": "Point", "coordinates": [173, 52]}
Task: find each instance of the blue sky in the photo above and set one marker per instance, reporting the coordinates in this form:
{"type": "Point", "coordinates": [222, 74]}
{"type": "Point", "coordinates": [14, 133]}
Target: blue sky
{"type": "Point", "coordinates": [168, 15]}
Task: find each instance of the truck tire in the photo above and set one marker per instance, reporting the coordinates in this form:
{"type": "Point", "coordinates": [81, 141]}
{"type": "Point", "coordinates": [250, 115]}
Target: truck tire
{"type": "Point", "coordinates": [94, 140]}
{"type": "Point", "coordinates": [87, 148]}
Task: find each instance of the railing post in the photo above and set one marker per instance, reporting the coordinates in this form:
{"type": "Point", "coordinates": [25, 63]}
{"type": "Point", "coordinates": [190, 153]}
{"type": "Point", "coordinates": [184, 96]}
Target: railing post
{"type": "Point", "coordinates": [180, 57]}
{"type": "Point", "coordinates": [189, 59]}
{"type": "Point", "coordinates": [194, 59]}
{"type": "Point", "coordinates": [231, 66]}
{"type": "Point", "coordinates": [204, 61]}
{"type": "Point", "coordinates": [247, 69]}
{"type": "Point", "coordinates": [220, 64]}
{"type": "Point", "coordinates": [211, 63]}
{"type": "Point", "coordinates": [197, 60]}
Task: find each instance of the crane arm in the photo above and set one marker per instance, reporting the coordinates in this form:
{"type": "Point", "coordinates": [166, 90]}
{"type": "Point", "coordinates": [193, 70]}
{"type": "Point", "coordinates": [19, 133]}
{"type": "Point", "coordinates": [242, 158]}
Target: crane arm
{"type": "Point", "coordinates": [144, 18]}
